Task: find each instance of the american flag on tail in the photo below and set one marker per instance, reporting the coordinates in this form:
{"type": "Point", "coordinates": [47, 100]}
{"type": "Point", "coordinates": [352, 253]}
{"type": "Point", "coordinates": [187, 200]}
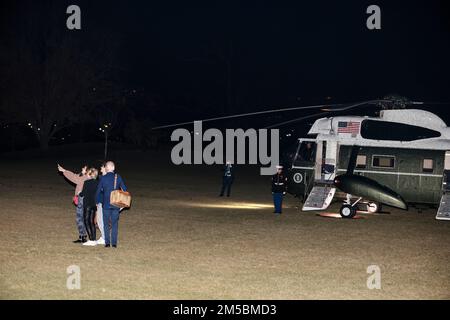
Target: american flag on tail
{"type": "Point", "coordinates": [348, 127]}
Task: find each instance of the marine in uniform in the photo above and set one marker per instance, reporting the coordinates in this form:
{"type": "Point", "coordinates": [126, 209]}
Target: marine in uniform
{"type": "Point", "coordinates": [279, 184]}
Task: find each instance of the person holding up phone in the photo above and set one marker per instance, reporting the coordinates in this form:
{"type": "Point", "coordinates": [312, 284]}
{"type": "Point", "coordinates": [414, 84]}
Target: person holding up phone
{"type": "Point", "coordinates": [78, 180]}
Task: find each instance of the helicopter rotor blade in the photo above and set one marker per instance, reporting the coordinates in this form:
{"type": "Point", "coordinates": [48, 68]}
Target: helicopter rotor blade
{"type": "Point", "coordinates": [324, 107]}
{"type": "Point", "coordinates": [325, 111]}
{"type": "Point", "coordinates": [251, 114]}
{"type": "Point", "coordinates": [355, 105]}
{"type": "Point", "coordinates": [429, 103]}
{"type": "Point", "coordinates": [297, 119]}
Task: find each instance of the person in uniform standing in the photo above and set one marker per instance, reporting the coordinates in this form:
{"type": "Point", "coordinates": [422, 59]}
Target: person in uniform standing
{"type": "Point", "coordinates": [227, 179]}
{"type": "Point", "coordinates": [279, 184]}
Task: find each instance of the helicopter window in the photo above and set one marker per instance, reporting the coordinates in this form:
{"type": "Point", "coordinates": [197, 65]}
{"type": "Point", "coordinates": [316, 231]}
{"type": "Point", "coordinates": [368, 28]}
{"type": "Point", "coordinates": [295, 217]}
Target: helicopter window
{"type": "Point", "coordinates": [361, 161]}
{"type": "Point", "coordinates": [306, 154]}
{"type": "Point", "coordinates": [384, 130]}
{"type": "Point", "coordinates": [383, 162]}
{"type": "Point", "coordinates": [427, 165]}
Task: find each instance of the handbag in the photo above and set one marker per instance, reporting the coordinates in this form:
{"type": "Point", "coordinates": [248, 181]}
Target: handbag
{"type": "Point", "coordinates": [119, 198]}
{"type": "Point", "coordinates": [75, 200]}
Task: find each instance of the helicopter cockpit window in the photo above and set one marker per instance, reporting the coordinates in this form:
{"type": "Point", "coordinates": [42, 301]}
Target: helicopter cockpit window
{"type": "Point", "coordinates": [306, 154]}
{"type": "Point", "coordinates": [385, 130]}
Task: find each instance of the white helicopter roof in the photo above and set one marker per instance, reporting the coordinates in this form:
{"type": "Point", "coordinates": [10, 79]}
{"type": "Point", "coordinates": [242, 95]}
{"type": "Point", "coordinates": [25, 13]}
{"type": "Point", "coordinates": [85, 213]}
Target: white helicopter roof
{"type": "Point", "coordinates": [346, 129]}
{"type": "Point", "coordinates": [415, 117]}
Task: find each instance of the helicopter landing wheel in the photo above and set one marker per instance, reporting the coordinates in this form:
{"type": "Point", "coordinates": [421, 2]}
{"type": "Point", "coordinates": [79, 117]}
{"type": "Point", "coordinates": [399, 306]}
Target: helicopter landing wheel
{"type": "Point", "coordinates": [373, 207]}
{"type": "Point", "coordinates": [347, 211]}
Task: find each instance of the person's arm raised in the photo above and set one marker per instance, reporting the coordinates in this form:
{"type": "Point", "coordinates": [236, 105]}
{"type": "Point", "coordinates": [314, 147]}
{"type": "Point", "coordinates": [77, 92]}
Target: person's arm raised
{"type": "Point", "coordinates": [72, 177]}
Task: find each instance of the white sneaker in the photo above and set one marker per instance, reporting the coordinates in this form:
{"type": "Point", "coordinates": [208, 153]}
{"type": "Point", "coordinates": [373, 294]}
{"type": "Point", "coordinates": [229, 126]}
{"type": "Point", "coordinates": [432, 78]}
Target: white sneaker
{"type": "Point", "coordinates": [90, 243]}
{"type": "Point", "coordinates": [101, 241]}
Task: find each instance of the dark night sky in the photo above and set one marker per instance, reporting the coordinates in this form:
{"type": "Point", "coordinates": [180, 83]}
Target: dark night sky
{"type": "Point", "coordinates": [282, 55]}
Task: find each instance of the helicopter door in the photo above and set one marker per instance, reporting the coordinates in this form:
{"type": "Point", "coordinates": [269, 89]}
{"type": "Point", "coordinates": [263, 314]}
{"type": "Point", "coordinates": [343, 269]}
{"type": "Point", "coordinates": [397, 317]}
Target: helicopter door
{"type": "Point", "coordinates": [326, 160]}
{"type": "Point", "coordinates": [446, 178]}
{"type": "Point", "coordinates": [301, 174]}
{"type": "Point", "coordinates": [329, 166]}
{"type": "Point", "coordinates": [443, 212]}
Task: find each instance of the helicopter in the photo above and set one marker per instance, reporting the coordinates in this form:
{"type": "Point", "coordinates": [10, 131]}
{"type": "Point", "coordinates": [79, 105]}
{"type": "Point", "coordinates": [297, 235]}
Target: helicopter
{"type": "Point", "coordinates": [399, 157]}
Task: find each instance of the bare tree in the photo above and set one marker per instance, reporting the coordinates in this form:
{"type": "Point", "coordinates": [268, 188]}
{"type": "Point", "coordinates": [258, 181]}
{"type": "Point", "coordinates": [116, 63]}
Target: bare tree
{"type": "Point", "coordinates": [50, 72]}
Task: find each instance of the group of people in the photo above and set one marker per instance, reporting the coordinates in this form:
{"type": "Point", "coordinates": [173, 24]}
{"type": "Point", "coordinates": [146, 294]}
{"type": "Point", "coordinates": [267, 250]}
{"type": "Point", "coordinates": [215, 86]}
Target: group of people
{"type": "Point", "coordinates": [93, 207]}
{"type": "Point", "coordinates": [93, 193]}
{"type": "Point", "coordinates": [279, 185]}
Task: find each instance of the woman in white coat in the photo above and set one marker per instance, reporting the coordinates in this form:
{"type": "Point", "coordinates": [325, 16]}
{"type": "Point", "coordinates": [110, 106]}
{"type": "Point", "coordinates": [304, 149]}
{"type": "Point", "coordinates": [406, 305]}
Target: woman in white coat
{"type": "Point", "coordinates": [99, 215]}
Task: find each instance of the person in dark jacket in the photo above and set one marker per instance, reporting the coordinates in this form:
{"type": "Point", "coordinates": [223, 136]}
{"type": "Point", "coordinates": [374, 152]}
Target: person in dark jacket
{"type": "Point", "coordinates": [109, 182]}
{"type": "Point", "coordinates": [279, 185]}
{"type": "Point", "coordinates": [227, 179]}
{"type": "Point", "coordinates": [89, 206]}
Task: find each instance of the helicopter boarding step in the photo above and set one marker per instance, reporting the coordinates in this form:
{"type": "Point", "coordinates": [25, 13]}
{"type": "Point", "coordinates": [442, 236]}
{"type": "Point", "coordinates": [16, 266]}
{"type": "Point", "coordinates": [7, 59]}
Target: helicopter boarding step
{"type": "Point", "coordinates": [444, 208]}
{"type": "Point", "coordinates": [319, 198]}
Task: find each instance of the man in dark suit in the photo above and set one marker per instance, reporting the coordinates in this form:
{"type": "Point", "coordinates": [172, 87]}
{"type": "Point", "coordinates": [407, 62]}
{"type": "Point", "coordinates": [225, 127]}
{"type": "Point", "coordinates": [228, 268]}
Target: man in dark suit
{"type": "Point", "coordinates": [227, 179]}
{"type": "Point", "coordinates": [110, 212]}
